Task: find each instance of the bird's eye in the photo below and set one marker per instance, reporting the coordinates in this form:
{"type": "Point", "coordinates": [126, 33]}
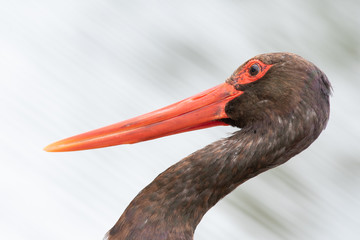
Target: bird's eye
{"type": "Point", "coordinates": [254, 69]}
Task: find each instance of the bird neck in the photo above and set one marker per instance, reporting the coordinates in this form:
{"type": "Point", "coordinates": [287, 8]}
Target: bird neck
{"type": "Point", "coordinates": [173, 204]}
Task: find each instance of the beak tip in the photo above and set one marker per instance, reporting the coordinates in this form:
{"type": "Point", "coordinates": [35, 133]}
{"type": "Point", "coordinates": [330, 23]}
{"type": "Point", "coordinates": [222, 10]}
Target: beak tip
{"type": "Point", "coordinates": [49, 148]}
{"type": "Point", "coordinates": [53, 147]}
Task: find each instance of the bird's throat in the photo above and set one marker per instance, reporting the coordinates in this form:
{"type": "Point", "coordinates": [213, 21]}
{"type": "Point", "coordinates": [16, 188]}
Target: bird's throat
{"type": "Point", "coordinates": [174, 203]}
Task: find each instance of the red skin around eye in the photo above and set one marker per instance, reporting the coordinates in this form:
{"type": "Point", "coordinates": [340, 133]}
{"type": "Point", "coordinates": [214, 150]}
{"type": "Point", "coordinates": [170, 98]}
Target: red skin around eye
{"type": "Point", "coordinates": [244, 77]}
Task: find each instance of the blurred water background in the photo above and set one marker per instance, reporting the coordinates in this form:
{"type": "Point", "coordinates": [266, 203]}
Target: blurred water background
{"type": "Point", "coordinates": [71, 66]}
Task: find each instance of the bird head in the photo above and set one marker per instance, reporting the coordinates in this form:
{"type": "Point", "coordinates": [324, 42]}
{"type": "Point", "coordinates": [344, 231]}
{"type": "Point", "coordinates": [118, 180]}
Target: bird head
{"type": "Point", "coordinates": [264, 87]}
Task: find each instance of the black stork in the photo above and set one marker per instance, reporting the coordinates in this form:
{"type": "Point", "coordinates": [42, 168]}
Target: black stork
{"type": "Point", "coordinates": [279, 100]}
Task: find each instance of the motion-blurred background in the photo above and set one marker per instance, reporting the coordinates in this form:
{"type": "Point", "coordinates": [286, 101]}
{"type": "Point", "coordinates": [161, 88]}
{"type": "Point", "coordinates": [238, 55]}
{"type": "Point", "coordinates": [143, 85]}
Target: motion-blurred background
{"type": "Point", "coordinates": [71, 66]}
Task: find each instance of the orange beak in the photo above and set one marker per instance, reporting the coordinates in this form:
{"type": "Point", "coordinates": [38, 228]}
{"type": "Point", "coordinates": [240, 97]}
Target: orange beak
{"type": "Point", "coordinates": [202, 110]}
